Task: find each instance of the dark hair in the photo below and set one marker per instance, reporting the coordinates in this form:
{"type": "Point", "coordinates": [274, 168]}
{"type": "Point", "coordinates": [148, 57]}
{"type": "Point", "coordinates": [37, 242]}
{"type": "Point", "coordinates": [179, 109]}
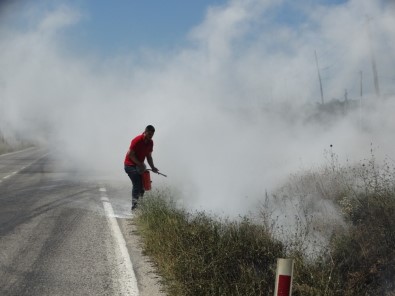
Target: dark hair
{"type": "Point", "coordinates": [150, 128]}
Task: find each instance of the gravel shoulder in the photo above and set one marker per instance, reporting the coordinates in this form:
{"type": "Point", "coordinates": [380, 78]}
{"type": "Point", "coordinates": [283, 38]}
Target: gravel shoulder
{"type": "Point", "coordinates": [149, 282]}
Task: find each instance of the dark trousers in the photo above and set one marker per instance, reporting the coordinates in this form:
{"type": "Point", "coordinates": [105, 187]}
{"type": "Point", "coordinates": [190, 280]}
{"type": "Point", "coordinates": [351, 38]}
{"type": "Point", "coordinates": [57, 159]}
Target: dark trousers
{"type": "Point", "coordinates": [135, 177]}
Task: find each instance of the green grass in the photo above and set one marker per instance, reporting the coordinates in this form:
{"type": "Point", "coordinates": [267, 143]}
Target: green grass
{"type": "Point", "coordinates": [201, 255]}
{"type": "Point", "coordinates": [198, 254]}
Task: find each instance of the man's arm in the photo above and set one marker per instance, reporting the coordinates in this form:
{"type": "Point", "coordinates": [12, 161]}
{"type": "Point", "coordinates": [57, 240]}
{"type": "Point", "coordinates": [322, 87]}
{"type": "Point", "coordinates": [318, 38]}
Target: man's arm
{"type": "Point", "coordinates": [151, 163]}
{"type": "Point", "coordinates": [133, 157]}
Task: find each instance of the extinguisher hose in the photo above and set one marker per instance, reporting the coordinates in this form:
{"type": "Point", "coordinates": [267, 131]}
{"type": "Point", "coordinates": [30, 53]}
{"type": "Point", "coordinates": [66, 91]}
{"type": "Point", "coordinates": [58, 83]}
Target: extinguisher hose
{"type": "Point", "coordinates": [157, 172]}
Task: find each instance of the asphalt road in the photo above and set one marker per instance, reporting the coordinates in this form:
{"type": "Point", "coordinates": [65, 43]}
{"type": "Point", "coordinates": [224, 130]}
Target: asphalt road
{"type": "Point", "coordinates": [60, 235]}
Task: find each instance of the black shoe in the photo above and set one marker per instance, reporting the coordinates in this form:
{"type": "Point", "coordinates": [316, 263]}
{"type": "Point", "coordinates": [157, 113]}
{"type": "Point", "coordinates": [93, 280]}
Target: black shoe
{"type": "Point", "coordinates": [134, 206]}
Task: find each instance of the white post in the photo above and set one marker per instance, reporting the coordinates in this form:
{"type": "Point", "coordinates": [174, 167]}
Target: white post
{"type": "Point", "coordinates": [284, 277]}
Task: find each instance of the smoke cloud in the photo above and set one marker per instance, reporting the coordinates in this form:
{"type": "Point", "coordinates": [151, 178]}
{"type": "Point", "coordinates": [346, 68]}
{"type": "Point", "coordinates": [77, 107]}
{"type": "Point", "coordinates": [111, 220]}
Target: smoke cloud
{"type": "Point", "coordinates": [232, 109]}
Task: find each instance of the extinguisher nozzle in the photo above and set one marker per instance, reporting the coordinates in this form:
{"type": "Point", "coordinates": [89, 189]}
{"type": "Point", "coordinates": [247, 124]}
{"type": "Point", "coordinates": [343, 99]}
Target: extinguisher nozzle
{"type": "Point", "coordinates": [157, 173]}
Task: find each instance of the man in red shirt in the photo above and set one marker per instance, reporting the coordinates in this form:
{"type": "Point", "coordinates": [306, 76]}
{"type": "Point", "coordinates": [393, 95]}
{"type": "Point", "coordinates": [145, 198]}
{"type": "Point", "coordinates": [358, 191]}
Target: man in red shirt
{"type": "Point", "coordinates": [140, 148]}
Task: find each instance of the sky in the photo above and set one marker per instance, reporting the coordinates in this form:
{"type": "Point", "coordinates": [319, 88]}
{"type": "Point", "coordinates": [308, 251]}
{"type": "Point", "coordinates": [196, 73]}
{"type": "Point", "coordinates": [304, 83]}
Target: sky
{"type": "Point", "coordinates": [225, 83]}
{"type": "Point", "coordinates": [109, 28]}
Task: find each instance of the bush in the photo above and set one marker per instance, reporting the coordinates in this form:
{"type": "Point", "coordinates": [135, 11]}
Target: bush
{"type": "Point", "coordinates": [200, 255]}
{"type": "Point", "coordinates": [360, 259]}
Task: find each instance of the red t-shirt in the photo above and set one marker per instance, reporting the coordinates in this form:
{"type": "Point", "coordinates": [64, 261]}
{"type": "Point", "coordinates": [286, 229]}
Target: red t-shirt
{"type": "Point", "coordinates": [140, 148]}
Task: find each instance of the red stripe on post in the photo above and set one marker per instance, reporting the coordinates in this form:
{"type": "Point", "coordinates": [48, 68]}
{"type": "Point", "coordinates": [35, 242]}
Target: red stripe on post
{"type": "Point", "coordinates": [284, 285]}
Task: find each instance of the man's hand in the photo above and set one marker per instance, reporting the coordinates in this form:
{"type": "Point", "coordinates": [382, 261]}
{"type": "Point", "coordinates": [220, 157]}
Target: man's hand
{"type": "Point", "coordinates": [154, 169]}
{"type": "Point", "coordinates": [141, 167]}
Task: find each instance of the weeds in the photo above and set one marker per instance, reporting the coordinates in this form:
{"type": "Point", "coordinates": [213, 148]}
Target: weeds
{"type": "Point", "coordinates": [338, 223]}
{"type": "Point", "coordinates": [6, 146]}
{"type": "Point", "coordinates": [359, 258]}
{"type": "Point", "coordinates": [201, 255]}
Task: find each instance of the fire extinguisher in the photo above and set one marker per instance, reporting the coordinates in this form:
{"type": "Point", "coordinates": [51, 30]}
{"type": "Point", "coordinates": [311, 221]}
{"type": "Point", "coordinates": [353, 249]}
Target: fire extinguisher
{"type": "Point", "coordinates": [146, 179]}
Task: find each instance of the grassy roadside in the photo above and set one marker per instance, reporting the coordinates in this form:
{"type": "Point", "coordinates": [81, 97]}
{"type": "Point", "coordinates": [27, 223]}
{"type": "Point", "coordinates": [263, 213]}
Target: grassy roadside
{"type": "Point", "coordinates": [199, 255]}
{"type": "Point", "coordinates": [202, 255]}
{"type": "Point", "coordinates": [5, 147]}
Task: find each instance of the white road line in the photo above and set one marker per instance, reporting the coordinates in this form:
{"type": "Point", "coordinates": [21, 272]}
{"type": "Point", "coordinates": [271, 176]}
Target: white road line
{"type": "Point", "coordinates": [127, 277]}
{"type": "Point", "coordinates": [15, 152]}
{"type": "Point", "coordinates": [22, 168]}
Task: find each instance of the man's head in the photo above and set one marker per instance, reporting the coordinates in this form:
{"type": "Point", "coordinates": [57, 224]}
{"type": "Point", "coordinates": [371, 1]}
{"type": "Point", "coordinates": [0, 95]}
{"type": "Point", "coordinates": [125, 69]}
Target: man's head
{"type": "Point", "coordinates": [149, 132]}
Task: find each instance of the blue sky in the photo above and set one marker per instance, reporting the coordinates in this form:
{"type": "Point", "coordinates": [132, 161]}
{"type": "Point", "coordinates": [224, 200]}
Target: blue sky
{"type": "Point", "coordinates": [146, 23]}
{"type": "Point", "coordinates": [108, 27]}
{"type": "Point", "coordinates": [129, 24]}
{"type": "Point", "coordinates": [275, 32]}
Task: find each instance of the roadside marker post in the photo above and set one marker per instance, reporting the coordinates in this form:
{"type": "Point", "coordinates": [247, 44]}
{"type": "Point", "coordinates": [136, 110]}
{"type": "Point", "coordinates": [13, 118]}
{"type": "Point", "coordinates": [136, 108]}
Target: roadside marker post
{"type": "Point", "coordinates": [284, 276]}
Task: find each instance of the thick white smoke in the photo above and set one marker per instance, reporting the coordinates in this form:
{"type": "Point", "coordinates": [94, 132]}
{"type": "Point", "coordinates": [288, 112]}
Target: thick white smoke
{"type": "Point", "coordinates": [229, 108]}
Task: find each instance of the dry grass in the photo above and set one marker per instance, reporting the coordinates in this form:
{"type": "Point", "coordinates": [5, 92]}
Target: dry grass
{"type": "Point", "coordinates": [6, 147]}
{"type": "Point", "coordinates": [354, 252]}
{"type": "Point", "coordinates": [200, 255]}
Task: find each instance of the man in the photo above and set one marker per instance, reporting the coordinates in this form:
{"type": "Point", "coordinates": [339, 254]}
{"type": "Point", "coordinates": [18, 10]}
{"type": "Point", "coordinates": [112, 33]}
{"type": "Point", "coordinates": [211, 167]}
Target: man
{"type": "Point", "coordinates": [140, 148]}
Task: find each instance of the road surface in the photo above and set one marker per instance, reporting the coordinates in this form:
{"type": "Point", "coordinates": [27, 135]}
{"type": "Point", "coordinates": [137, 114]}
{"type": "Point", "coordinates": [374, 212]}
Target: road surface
{"type": "Point", "coordinates": [60, 235]}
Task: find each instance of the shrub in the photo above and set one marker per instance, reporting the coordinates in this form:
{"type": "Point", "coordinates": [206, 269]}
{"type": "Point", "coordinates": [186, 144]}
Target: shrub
{"type": "Point", "coordinates": [200, 255]}
{"type": "Point", "coordinates": [360, 259]}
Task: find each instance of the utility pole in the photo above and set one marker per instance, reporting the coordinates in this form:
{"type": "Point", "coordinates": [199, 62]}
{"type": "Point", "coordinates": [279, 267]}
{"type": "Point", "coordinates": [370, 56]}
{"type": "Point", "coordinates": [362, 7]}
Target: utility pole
{"type": "Point", "coordinates": [319, 77]}
{"type": "Point", "coordinates": [361, 73]}
{"type": "Point", "coordinates": [374, 66]}
{"type": "Point", "coordinates": [360, 100]}
{"type": "Point", "coordinates": [346, 101]}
